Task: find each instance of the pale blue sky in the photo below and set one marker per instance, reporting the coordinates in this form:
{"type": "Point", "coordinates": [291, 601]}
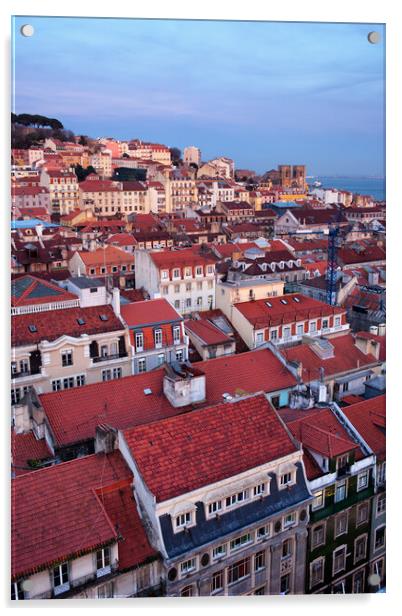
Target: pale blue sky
{"type": "Point", "coordinates": [263, 93]}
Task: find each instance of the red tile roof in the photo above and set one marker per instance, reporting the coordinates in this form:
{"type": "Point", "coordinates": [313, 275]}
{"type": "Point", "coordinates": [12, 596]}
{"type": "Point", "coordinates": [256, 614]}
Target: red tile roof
{"type": "Point", "coordinates": [260, 314]}
{"type": "Point", "coordinates": [110, 255]}
{"type": "Point", "coordinates": [149, 312]}
{"type": "Point", "coordinates": [179, 258]}
{"type": "Point", "coordinates": [121, 239]}
{"type": "Point", "coordinates": [369, 419]}
{"type": "Point", "coordinates": [134, 547]}
{"type": "Point", "coordinates": [90, 186]}
{"type": "Point", "coordinates": [53, 324]}
{"type": "Point", "coordinates": [73, 414]}
{"type": "Point", "coordinates": [183, 453]}
{"type": "Point", "coordinates": [24, 448]}
{"type": "Point", "coordinates": [319, 430]}
{"type": "Point", "coordinates": [206, 332]}
{"type": "Point", "coordinates": [56, 513]}
{"type": "Point", "coordinates": [347, 357]}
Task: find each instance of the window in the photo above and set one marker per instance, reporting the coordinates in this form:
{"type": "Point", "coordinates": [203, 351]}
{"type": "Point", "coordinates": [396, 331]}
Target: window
{"type": "Point", "coordinates": [379, 538]}
{"type": "Point", "coordinates": [80, 379]}
{"type": "Point", "coordinates": [68, 382]}
{"type": "Point", "coordinates": [210, 269]}
{"type": "Point", "coordinates": [381, 473]}
{"type": "Point", "coordinates": [239, 570]}
{"type": "Point", "coordinates": [318, 536]}
{"type": "Point", "coordinates": [318, 501]}
{"type": "Point", "coordinates": [214, 507]}
{"type": "Point", "coordinates": [158, 338]}
{"type": "Point", "coordinates": [103, 270]}
{"type": "Point", "coordinates": [259, 490]}
{"type": "Point", "coordinates": [360, 548]}
{"type": "Point", "coordinates": [199, 301]}
{"type": "Point", "coordinates": [176, 273]}
{"type": "Point", "coordinates": [337, 321]}
{"type": "Point", "coordinates": [300, 329]}
{"type": "Point", "coordinates": [289, 520]}
{"type": "Point", "coordinates": [358, 582]}
{"type": "Point", "coordinates": [239, 542]}
{"type": "Point", "coordinates": [188, 286]}
{"type": "Point", "coordinates": [198, 271]}
{"type": "Point", "coordinates": [236, 498]}
{"type": "Point", "coordinates": [259, 561]}
{"type": "Point", "coordinates": [340, 491]}
{"type": "Point", "coordinates": [210, 300]}
{"type": "Point", "coordinates": [325, 324]}
{"type": "Point", "coordinates": [199, 286]}
{"type": "Point", "coordinates": [286, 548]}
{"type": "Point", "coordinates": [341, 524]}
{"type": "Point", "coordinates": [187, 566]}
{"type": "Point", "coordinates": [362, 481]}
{"type": "Point", "coordinates": [179, 355]}
{"type": "Point", "coordinates": [285, 584]}
{"type": "Point", "coordinates": [142, 365]}
{"type": "Point", "coordinates": [165, 290]}
{"type": "Point", "coordinates": [187, 272]}
{"type": "Point", "coordinates": [219, 551]}
{"type": "Point", "coordinates": [286, 333]}
{"type": "Point", "coordinates": [259, 338]}
{"type": "Point", "coordinates": [313, 326]}
{"type": "Point", "coordinates": [187, 591]}
{"type": "Point", "coordinates": [104, 350]}
{"type": "Point", "coordinates": [56, 385]}
{"type": "Point", "coordinates": [263, 532]}
{"type": "Point", "coordinates": [286, 478]}
{"type": "Point", "coordinates": [67, 358]}
{"type": "Point", "coordinates": [177, 288]}
{"type": "Point", "coordinates": [339, 559]}
{"type": "Point", "coordinates": [17, 592]}
{"type": "Point", "coordinates": [177, 303]}
{"type": "Point", "coordinates": [381, 503]}
{"type": "Point", "coordinates": [92, 271]}
{"type": "Point", "coordinates": [339, 588]}
{"type": "Point", "coordinates": [105, 591]}
{"type": "Point", "coordinates": [184, 519]}
{"type": "Point", "coordinates": [362, 514]}
{"type": "Point", "coordinates": [342, 461]}
{"type": "Point", "coordinates": [176, 335]}
{"type": "Point", "coordinates": [161, 359]}
{"type": "Point", "coordinates": [60, 578]}
{"type": "Point", "coordinates": [103, 562]}
{"type": "Point", "coordinates": [106, 375]}
{"type": "Point", "coordinates": [274, 334]}
{"type": "Point", "coordinates": [317, 571]}
{"type": "Point", "coordinates": [217, 581]}
{"type": "Point", "coordinates": [165, 274]}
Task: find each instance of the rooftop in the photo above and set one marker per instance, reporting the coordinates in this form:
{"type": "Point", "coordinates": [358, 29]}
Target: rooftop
{"type": "Point", "coordinates": [73, 414]}
{"type": "Point", "coordinates": [34, 328]}
{"type": "Point", "coordinates": [29, 290]}
{"type": "Point", "coordinates": [369, 419]}
{"type": "Point", "coordinates": [199, 446]}
{"type": "Point", "coordinates": [149, 312]}
{"type": "Point", "coordinates": [56, 513]}
{"type": "Point", "coordinates": [207, 333]}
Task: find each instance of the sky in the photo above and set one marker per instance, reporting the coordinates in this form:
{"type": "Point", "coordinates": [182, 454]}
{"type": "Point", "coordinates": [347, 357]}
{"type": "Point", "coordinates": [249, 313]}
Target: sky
{"type": "Point", "coordinates": [262, 93]}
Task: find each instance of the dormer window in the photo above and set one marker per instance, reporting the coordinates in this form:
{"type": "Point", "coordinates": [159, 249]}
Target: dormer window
{"type": "Point", "coordinates": [214, 507]}
{"type": "Point", "coordinates": [236, 498]}
{"type": "Point", "coordinates": [165, 274]}
{"type": "Point", "coordinates": [286, 479]}
{"type": "Point", "coordinates": [176, 273]}
{"type": "Point", "coordinates": [342, 461]}
{"type": "Point", "coordinates": [260, 489]}
{"type": "Point", "coordinates": [184, 519]}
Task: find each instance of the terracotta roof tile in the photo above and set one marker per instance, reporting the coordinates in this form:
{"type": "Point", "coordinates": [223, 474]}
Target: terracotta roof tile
{"type": "Point", "coordinates": [183, 453]}
{"type": "Point", "coordinates": [368, 418]}
{"type": "Point", "coordinates": [56, 513]}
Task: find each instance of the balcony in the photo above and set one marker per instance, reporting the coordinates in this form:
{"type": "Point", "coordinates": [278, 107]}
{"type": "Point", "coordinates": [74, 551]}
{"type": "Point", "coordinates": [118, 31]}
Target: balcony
{"type": "Point", "coordinates": [102, 358]}
{"type": "Point", "coordinates": [24, 373]}
{"type": "Point", "coordinates": [343, 471]}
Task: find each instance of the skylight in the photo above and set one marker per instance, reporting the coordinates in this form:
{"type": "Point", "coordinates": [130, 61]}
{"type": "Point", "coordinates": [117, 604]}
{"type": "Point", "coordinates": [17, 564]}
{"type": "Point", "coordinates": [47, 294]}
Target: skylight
{"type": "Point", "coordinates": [296, 299]}
{"type": "Point", "coordinates": [284, 301]}
{"type": "Point", "coordinates": [103, 317]}
{"type": "Point", "coordinates": [269, 304]}
{"type": "Point", "coordinates": [32, 328]}
{"type": "Point", "coordinates": [81, 321]}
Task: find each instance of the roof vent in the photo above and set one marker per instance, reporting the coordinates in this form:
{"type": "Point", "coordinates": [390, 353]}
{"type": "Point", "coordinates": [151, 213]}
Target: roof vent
{"type": "Point", "coordinates": [147, 391]}
{"type": "Point", "coordinates": [284, 301]}
{"type": "Point", "coordinates": [296, 299]}
{"type": "Point", "coordinates": [227, 396]}
{"type": "Point", "coordinates": [103, 317]}
{"type": "Point", "coordinates": [268, 304]}
{"type": "Point", "coordinates": [32, 328]}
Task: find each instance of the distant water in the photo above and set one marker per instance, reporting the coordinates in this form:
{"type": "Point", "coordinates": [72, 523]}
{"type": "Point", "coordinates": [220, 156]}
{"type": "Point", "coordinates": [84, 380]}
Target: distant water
{"type": "Point", "coordinates": [360, 185]}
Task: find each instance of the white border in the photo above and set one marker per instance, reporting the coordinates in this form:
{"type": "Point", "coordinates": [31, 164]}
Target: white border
{"type": "Point", "coordinates": [293, 10]}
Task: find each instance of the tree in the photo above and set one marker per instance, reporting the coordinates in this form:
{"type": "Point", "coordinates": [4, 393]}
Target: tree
{"type": "Point", "coordinates": [83, 140]}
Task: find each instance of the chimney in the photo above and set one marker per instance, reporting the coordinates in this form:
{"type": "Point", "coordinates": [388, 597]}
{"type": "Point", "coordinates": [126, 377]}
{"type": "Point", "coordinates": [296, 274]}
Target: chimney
{"type": "Point", "coordinates": [116, 301]}
{"type": "Point", "coordinates": [105, 438]}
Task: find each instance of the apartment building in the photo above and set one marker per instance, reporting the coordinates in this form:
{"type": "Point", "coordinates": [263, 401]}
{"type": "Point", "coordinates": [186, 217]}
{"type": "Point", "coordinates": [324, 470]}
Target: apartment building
{"type": "Point", "coordinates": [368, 417]}
{"type": "Point", "coordinates": [102, 163]}
{"type": "Point", "coordinates": [340, 469]}
{"type": "Point", "coordinates": [184, 277]}
{"type": "Point", "coordinates": [63, 191]}
{"type": "Point", "coordinates": [30, 196]}
{"type": "Point", "coordinates": [106, 261]}
{"type": "Point", "coordinates": [65, 348]}
{"type": "Point", "coordinates": [224, 524]}
{"type": "Point", "coordinates": [93, 545]}
{"type": "Point", "coordinates": [156, 334]}
{"type": "Point", "coordinates": [286, 319]}
{"type": "Point", "coordinates": [192, 155]}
